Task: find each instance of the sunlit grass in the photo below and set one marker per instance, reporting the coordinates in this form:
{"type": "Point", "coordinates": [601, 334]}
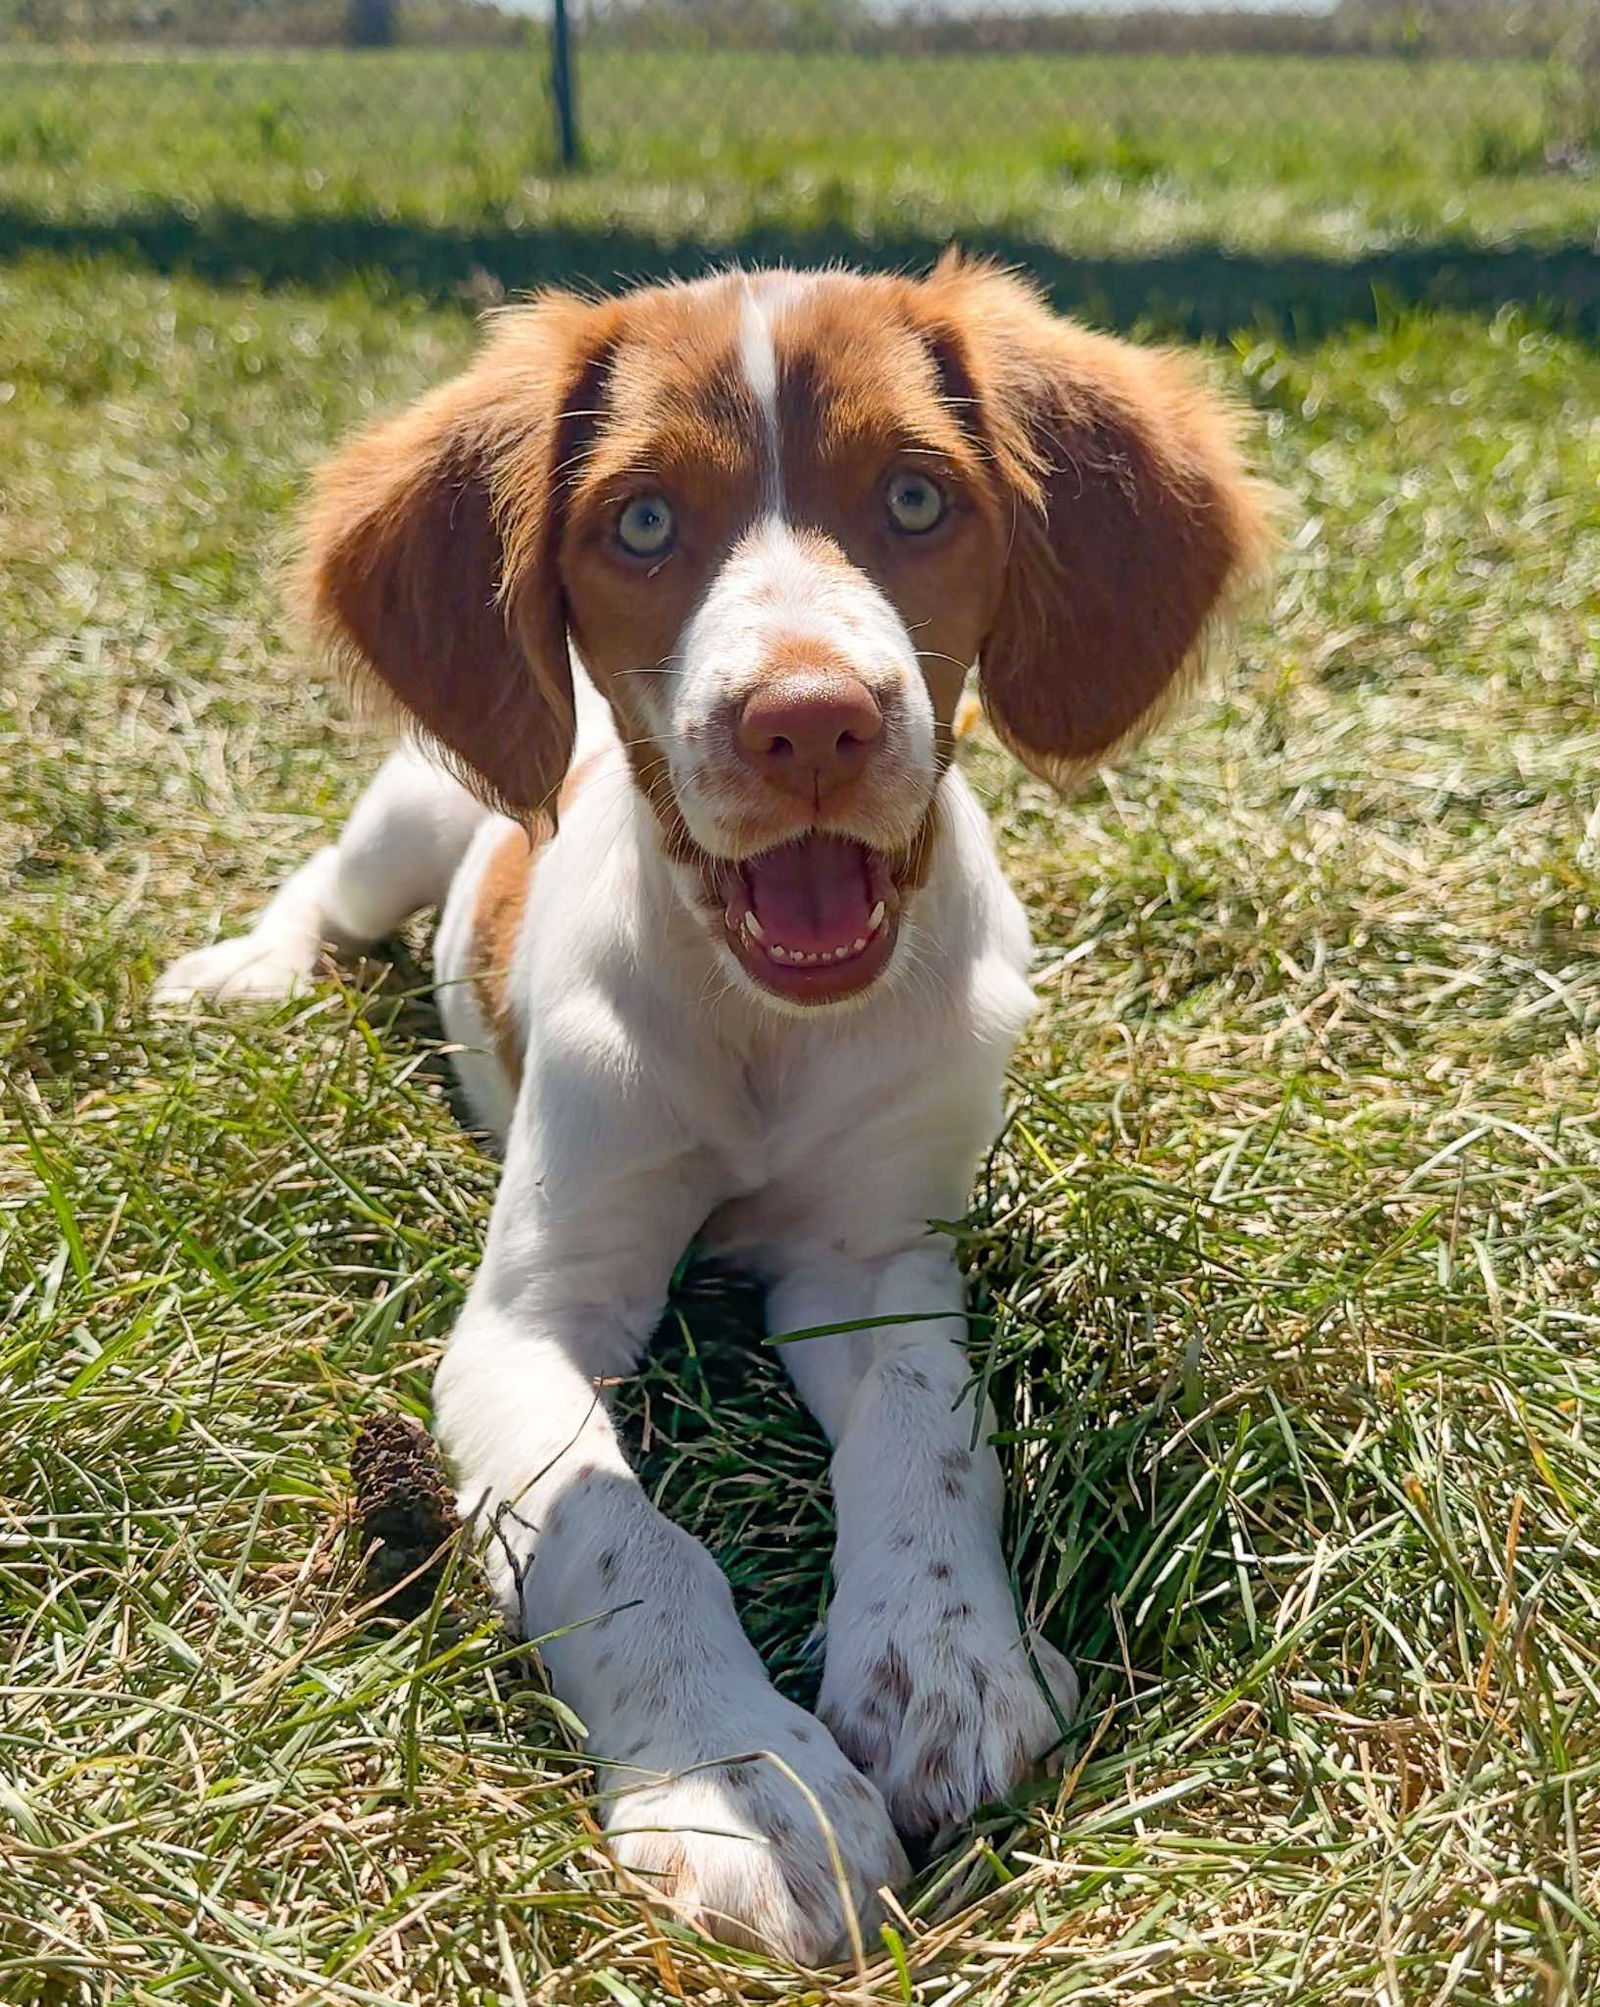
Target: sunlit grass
{"type": "Point", "coordinates": [1285, 1272]}
{"type": "Point", "coordinates": [1087, 153]}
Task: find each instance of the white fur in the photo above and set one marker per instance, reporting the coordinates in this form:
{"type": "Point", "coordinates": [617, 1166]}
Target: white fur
{"type": "Point", "coordinates": [775, 587]}
{"type": "Point", "coordinates": [758, 356]}
{"type": "Point", "coordinates": [663, 1098]}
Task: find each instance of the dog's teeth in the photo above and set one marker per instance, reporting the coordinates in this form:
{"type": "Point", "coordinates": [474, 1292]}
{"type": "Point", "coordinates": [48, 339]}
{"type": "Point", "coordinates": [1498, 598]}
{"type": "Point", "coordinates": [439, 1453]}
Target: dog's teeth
{"type": "Point", "coordinates": [801, 957]}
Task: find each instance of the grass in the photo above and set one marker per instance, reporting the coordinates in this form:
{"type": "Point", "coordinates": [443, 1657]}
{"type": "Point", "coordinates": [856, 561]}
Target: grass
{"type": "Point", "coordinates": [1311, 154]}
{"type": "Point", "coordinates": [1287, 1267]}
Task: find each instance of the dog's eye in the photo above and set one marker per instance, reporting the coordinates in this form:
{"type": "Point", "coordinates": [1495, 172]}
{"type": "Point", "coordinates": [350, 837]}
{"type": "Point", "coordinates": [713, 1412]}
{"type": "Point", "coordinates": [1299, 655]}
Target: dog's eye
{"type": "Point", "coordinates": [916, 504]}
{"type": "Point", "coordinates": [645, 526]}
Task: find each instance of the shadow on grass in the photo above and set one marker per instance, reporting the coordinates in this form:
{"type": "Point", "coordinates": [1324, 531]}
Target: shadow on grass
{"type": "Point", "coordinates": [724, 1448]}
{"type": "Point", "coordinates": [1200, 289]}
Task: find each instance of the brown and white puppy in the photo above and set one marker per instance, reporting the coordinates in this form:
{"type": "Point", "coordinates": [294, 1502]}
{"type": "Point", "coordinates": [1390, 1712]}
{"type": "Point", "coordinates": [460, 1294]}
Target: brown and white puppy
{"type": "Point", "coordinates": [684, 586]}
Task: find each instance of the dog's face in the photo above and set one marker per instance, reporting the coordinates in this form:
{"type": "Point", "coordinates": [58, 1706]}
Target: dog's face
{"type": "Point", "coordinates": [780, 516]}
{"type": "Point", "coordinates": [777, 564]}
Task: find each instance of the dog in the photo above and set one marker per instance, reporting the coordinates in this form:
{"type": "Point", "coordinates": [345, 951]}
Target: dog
{"type": "Point", "coordinates": [678, 592]}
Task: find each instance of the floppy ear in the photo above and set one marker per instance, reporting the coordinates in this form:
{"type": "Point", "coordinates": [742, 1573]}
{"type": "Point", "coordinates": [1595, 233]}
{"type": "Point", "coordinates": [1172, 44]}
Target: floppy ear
{"type": "Point", "coordinates": [430, 556]}
{"type": "Point", "coordinates": [1131, 517]}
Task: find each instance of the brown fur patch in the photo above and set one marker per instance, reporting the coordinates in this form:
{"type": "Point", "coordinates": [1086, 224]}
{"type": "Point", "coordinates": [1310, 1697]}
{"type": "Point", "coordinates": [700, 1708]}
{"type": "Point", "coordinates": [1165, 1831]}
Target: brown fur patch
{"type": "Point", "coordinates": [867, 1747]}
{"type": "Point", "coordinates": [954, 1467]}
{"type": "Point", "coordinates": [1133, 519]}
{"type": "Point", "coordinates": [429, 549]}
{"type": "Point", "coordinates": [502, 898]}
{"type": "Point", "coordinates": [893, 1677]}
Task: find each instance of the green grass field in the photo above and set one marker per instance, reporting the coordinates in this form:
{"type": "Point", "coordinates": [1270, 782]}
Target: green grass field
{"type": "Point", "coordinates": [1288, 1266]}
{"type": "Point", "coordinates": [1086, 154]}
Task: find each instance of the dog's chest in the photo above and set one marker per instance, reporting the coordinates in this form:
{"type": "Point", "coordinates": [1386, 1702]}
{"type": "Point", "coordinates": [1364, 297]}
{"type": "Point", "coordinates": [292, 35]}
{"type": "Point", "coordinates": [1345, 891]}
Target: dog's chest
{"type": "Point", "coordinates": [812, 1136]}
{"type": "Point", "coordinates": [786, 1104]}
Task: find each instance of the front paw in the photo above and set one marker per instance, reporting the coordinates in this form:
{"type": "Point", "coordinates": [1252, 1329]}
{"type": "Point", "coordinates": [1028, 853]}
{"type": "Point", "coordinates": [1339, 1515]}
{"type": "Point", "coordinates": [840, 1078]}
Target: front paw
{"type": "Point", "coordinates": [932, 1691]}
{"type": "Point", "coordinates": [246, 969]}
{"type": "Point", "coordinates": [741, 1851]}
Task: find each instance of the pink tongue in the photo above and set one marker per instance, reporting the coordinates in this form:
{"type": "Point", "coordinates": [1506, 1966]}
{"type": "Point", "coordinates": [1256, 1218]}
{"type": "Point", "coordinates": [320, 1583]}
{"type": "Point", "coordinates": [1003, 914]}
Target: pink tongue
{"type": "Point", "coordinates": [812, 894]}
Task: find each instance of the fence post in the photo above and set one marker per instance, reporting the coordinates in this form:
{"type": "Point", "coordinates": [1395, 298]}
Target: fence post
{"type": "Point", "coordinates": [562, 85]}
{"type": "Point", "coordinates": [369, 24]}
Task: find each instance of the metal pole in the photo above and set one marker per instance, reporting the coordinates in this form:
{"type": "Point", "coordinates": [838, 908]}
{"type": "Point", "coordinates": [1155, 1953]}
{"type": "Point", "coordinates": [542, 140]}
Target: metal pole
{"type": "Point", "coordinates": [369, 24]}
{"type": "Point", "coordinates": [562, 84]}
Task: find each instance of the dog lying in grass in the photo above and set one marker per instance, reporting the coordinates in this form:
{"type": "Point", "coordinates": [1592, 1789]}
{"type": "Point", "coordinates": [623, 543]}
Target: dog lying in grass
{"type": "Point", "coordinates": [679, 592]}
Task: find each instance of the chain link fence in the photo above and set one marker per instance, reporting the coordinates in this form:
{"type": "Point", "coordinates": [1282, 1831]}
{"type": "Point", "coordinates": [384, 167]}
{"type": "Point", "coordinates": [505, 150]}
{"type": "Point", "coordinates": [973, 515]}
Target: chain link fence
{"type": "Point", "coordinates": [490, 144]}
{"type": "Point", "coordinates": [1126, 91]}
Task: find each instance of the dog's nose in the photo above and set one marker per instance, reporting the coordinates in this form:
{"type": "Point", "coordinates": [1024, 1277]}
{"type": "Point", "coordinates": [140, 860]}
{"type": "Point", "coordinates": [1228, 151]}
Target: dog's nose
{"type": "Point", "coordinates": [809, 735]}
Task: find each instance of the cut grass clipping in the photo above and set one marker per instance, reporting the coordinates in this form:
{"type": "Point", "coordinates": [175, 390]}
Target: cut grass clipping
{"type": "Point", "coordinates": [1284, 1273]}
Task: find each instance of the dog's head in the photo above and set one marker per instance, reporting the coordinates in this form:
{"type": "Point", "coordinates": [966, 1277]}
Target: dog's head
{"type": "Point", "coordinates": [780, 516]}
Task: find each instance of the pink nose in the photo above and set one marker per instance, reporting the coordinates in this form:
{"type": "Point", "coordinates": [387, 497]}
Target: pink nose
{"type": "Point", "coordinates": [809, 735]}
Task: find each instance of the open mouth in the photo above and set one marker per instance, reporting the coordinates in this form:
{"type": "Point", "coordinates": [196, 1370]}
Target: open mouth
{"type": "Point", "coordinates": [812, 921]}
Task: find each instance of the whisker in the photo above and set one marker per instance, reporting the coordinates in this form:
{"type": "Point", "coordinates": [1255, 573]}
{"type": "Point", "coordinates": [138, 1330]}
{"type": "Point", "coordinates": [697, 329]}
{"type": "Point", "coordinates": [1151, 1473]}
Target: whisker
{"type": "Point", "coordinates": [668, 667]}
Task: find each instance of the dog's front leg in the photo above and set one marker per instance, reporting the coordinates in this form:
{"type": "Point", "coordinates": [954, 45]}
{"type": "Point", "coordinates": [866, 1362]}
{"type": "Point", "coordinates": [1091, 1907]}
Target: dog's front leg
{"type": "Point", "coordinates": [698, 1756]}
{"type": "Point", "coordinates": [930, 1685]}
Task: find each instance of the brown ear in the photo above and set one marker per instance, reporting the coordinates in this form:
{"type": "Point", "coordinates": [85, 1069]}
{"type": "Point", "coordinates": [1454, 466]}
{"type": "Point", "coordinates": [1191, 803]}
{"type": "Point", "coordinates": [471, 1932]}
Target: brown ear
{"type": "Point", "coordinates": [1132, 518]}
{"type": "Point", "coordinates": [406, 566]}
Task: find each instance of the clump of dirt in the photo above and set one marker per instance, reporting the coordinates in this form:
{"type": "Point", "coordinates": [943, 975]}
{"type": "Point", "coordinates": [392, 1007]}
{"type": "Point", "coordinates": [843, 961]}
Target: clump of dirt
{"type": "Point", "coordinates": [404, 1510]}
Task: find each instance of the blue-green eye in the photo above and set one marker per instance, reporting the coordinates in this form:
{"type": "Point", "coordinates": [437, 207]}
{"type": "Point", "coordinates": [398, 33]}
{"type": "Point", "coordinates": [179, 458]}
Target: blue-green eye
{"type": "Point", "coordinates": [916, 504]}
{"type": "Point", "coordinates": [645, 526]}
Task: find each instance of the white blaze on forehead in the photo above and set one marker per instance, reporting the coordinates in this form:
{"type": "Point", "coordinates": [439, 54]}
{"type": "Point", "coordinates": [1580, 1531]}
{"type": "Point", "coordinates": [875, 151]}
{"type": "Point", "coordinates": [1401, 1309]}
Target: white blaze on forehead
{"type": "Point", "coordinates": [765, 296]}
{"type": "Point", "coordinates": [757, 351]}
{"type": "Point", "coordinates": [758, 355]}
